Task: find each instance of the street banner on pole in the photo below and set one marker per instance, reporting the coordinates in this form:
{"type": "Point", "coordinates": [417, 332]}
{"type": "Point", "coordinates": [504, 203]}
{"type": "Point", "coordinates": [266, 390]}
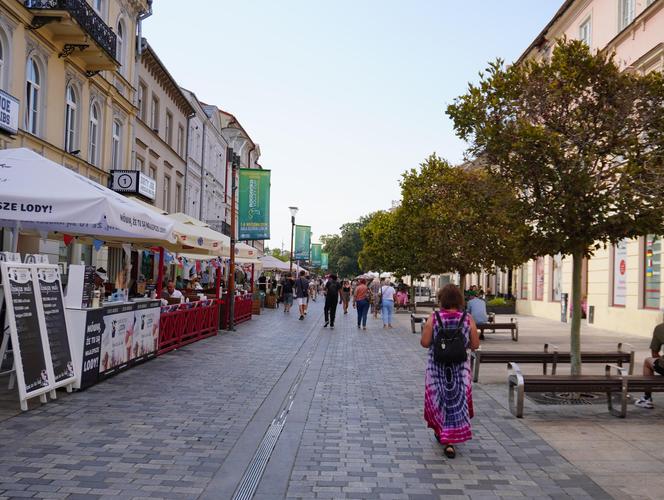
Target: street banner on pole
{"type": "Point", "coordinates": [324, 258]}
{"type": "Point", "coordinates": [254, 204]}
{"type": "Point", "coordinates": [316, 258]}
{"type": "Point", "coordinates": [302, 242]}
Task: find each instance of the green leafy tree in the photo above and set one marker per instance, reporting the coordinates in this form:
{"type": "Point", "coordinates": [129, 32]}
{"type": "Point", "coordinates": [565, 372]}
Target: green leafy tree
{"type": "Point", "coordinates": [343, 249]}
{"type": "Point", "coordinates": [278, 254]}
{"type": "Point", "coordinates": [576, 139]}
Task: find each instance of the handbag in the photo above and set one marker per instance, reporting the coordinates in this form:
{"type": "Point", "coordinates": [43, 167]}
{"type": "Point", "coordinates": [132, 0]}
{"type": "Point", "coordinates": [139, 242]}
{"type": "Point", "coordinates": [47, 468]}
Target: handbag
{"type": "Point", "coordinates": [449, 345]}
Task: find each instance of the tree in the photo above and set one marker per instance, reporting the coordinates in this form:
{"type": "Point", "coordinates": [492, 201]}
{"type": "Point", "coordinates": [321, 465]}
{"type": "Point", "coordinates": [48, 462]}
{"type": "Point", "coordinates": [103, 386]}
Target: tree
{"type": "Point", "coordinates": [576, 139]}
{"type": "Point", "coordinates": [466, 220]}
{"type": "Point", "coordinates": [343, 249]}
{"type": "Point", "coordinates": [278, 254]}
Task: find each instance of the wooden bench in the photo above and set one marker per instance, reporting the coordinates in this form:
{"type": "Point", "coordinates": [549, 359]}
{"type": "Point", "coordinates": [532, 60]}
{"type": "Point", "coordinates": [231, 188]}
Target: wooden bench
{"type": "Point", "coordinates": [616, 386]}
{"type": "Point", "coordinates": [512, 327]}
{"type": "Point", "coordinates": [552, 357]}
{"type": "Point", "coordinates": [418, 319]}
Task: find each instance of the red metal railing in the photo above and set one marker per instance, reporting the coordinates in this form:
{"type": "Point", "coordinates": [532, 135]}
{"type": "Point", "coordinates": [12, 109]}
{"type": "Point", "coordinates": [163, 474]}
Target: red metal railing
{"type": "Point", "coordinates": [183, 324]}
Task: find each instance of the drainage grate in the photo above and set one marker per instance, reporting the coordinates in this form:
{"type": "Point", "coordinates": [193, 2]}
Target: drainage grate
{"type": "Point", "coordinates": [568, 398]}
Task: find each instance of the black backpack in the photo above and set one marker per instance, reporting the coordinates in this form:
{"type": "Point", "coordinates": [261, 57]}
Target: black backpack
{"type": "Point", "coordinates": [449, 345]}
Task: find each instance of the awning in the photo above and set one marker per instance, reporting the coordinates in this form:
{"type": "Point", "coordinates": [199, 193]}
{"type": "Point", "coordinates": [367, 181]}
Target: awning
{"type": "Point", "coordinates": [39, 194]}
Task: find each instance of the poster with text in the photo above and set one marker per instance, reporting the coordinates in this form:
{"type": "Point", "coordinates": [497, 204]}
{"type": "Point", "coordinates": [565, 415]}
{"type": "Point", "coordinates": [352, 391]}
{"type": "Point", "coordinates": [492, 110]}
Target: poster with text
{"type": "Point", "coordinates": [620, 273]}
{"type": "Point", "coordinates": [117, 338]}
{"type": "Point", "coordinates": [254, 204]}
{"type": "Point", "coordinates": [94, 329]}
{"type": "Point", "coordinates": [302, 242]}
{"type": "Point", "coordinates": [54, 320]}
{"type": "Point", "coordinates": [146, 329]}
{"type": "Point", "coordinates": [324, 260]}
{"type": "Point", "coordinates": [316, 254]}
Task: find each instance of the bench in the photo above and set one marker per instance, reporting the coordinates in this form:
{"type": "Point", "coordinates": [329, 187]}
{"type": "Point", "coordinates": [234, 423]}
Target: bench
{"type": "Point", "coordinates": [616, 386]}
{"type": "Point", "coordinates": [418, 319]}
{"type": "Point", "coordinates": [552, 357]}
{"type": "Point", "coordinates": [512, 327]}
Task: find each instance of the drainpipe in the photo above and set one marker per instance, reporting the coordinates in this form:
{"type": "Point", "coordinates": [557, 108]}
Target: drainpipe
{"type": "Point", "coordinates": [142, 17]}
{"type": "Point", "coordinates": [200, 207]}
{"type": "Point", "coordinates": [139, 53]}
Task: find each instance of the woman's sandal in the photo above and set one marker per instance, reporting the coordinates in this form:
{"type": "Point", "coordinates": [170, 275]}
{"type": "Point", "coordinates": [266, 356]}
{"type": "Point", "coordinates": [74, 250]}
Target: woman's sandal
{"type": "Point", "coordinates": [449, 451]}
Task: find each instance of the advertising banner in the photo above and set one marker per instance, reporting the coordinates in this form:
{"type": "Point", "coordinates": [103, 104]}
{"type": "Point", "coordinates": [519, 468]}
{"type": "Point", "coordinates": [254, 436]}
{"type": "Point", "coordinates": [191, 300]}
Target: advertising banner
{"type": "Point", "coordinates": [302, 242]}
{"type": "Point", "coordinates": [254, 204]}
{"type": "Point", "coordinates": [117, 338]}
{"type": "Point", "coordinates": [620, 273]}
{"type": "Point", "coordinates": [324, 260]}
{"type": "Point", "coordinates": [316, 257]}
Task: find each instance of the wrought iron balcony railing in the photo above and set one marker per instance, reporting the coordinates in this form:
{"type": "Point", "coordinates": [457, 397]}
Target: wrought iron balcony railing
{"type": "Point", "coordinates": [86, 17]}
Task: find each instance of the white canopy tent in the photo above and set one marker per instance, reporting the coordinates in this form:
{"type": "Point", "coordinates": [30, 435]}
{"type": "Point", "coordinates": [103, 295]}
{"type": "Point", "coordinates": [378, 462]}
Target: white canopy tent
{"type": "Point", "coordinates": [39, 194]}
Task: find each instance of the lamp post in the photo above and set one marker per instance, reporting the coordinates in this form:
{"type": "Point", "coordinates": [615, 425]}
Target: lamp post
{"type": "Point", "coordinates": [293, 212]}
{"type": "Point", "coordinates": [235, 163]}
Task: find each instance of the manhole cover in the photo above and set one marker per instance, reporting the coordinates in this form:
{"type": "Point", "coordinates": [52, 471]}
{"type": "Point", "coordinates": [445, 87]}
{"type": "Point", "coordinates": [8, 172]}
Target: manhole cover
{"type": "Point", "coordinates": [568, 398]}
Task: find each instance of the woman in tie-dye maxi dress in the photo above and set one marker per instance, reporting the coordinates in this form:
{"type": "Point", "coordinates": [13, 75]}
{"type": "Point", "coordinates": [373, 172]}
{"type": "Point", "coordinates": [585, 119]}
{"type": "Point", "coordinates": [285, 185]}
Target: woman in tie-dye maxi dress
{"type": "Point", "coordinates": [448, 402]}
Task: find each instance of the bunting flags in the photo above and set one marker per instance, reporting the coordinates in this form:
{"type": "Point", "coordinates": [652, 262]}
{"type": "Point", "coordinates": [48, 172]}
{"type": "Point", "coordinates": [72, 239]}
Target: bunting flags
{"type": "Point", "coordinates": [97, 244]}
{"type": "Point", "coordinates": [68, 238]}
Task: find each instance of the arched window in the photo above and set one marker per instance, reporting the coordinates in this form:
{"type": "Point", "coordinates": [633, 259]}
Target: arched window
{"type": "Point", "coordinates": [32, 96]}
{"type": "Point", "coordinates": [2, 62]}
{"type": "Point", "coordinates": [93, 146]}
{"type": "Point", "coordinates": [116, 140]}
{"type": "Point", "coordinates": [71, 119]}
{"type": "Point", "coordinates": [120, 48]}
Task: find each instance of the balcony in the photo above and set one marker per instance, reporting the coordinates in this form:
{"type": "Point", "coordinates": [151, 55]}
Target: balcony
{"type": "Point", "coordinates": [79, 29]}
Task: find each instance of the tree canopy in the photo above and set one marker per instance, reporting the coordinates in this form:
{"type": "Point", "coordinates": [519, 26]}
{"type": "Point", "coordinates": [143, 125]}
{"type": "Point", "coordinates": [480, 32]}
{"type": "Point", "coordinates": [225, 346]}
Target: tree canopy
{"type": "Point", "coordinates": [343, 249]}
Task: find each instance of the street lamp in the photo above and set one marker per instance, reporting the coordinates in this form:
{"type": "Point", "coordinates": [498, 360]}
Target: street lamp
{"type": "Point", "coordinates": [293, 212]}
{"type": "Point", "coordinates": [235, 165]}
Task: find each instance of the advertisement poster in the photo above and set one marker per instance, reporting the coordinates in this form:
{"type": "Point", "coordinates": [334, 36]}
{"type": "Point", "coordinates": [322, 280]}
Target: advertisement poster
{"type": "Point", "coordinates": [324, 260]}
{"type": "Point", "coordinates": [94, 329]}
{"type": "Point", "coordinates": [28, 333]}
{"type": "Point", "coordinates": [316, 257]}
{"type": "Point", "coordinates": [117, 337]}
{"type": "Point", "coordinates": [539, 278]}
{"type": "Point", "coordinates": [620, 273]}
{"type": "Point", "coordinates": [54, 319]}
{"type": "Point", "coordinates": [302, 242]}
{"type": "Point", "coordinates": [254, 204]}
{"type": "Point", "coordinates": [557, 278]}
{"type": "Point", "coordinates": [146, 330]}
{"type": "Point", "coordinates": [653, 265]}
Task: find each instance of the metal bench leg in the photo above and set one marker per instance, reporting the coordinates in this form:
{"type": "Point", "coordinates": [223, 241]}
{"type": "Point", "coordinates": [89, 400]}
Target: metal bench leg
{"type": "Point", "coordinates": [515, 332]}
{"type": "Point", "coordinates": [475, 365]}
{"type": "Point", "coordinates": [412, 325]}
{"type": "Point", "coordinates": [622, 395]}
{"type": "Point", "coordinates": [515, 385]}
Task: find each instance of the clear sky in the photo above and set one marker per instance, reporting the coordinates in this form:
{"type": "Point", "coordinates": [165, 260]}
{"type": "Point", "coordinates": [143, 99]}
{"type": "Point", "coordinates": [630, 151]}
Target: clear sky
{"type": "Point", "coordinates": [342, 96]}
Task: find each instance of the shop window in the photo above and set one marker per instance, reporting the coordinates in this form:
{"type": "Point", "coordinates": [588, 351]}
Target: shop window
{"type": "Point", "coordinates": [652, 279]}
{"type": "Point", "coordinates": [556, 277]}
{"type": "Point", "coordinates": [620, 274]}
{"type": "Point", "coordinates": [524, 281]}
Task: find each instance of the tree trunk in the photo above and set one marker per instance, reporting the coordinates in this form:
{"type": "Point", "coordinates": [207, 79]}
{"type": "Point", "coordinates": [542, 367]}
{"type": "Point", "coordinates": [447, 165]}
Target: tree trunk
{"type": "Point", "coordinates": [575, 333]}
{"type": "Point", "coordinates": [462, 281]}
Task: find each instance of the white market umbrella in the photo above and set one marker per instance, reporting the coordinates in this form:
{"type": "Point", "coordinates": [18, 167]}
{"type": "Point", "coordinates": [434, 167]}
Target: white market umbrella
{"type": "Point", "coordinates": [39, 194]}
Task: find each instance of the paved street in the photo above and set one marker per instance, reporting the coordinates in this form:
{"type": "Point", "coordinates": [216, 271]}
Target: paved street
{"type": "Point", "coordinates": [345, 407]}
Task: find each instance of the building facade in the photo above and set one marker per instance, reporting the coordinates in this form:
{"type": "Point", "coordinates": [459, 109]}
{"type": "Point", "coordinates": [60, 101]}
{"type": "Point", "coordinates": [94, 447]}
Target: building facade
{"type": "Point", "coordinates": [622, 284]}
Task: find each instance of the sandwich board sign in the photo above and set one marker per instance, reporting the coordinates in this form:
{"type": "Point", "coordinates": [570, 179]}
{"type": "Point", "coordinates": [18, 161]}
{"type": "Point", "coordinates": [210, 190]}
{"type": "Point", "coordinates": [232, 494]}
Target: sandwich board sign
{"type": "Point", "coordinates": [38, 329]}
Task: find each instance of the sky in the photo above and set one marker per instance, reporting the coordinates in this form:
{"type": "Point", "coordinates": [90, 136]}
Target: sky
{"type": "Point", "coordinates": [342, 96]}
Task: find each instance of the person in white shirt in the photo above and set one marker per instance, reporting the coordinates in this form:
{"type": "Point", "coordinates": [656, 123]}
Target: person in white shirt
{"type": "Point", "coordinates": [171, 292]}
{"type": "Point", "coordinates": [387, 303]}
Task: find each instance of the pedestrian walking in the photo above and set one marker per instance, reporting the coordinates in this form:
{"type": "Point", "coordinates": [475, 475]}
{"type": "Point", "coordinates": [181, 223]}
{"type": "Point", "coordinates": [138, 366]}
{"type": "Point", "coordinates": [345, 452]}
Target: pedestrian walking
{"type": "Point", "coordinates": [302, 293]}
{"type": "Point", "coordinates": [331, 299]}
{"type": "Point", "coordinates": [375, 297]}
{"type": "Point", "coordinates": [448, 402]}
{"type": "Point", "coordinates": [361, 303]}
{"type": "Point", "coordinates": [345, 295]}
{"type": "Point", "coordinates": [387, 293]}
{"type": "Point", "coordinates": [287, 292]}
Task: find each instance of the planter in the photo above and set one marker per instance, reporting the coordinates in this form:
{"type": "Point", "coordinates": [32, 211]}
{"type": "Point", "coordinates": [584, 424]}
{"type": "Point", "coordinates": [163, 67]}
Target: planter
{"type": "Point", "coordinates": [506, 309]}
{"type": "Point", "coordinates": [271, 301]}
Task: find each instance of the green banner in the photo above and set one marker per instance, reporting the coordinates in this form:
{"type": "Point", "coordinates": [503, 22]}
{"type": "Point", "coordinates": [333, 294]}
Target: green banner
{"type": "Point", "coordinates": [302, 242]}
{"type": "Point", "coordinates": [254, 204]}
{"type": "Point", "coordinates": [324, 258]}
{"type": "Point", "coordinates": [316, 251]}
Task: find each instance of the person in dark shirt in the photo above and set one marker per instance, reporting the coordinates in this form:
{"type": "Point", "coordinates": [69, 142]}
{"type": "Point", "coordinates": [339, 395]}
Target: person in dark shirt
{"type": "Point", "coordinates": [332, 288]}
{"type": "Point", "coordinates": [654, 364]}
{"type": "Point", "coordinates": [287, 292]}
{"type": "Point", "coordinates": [302, 293]}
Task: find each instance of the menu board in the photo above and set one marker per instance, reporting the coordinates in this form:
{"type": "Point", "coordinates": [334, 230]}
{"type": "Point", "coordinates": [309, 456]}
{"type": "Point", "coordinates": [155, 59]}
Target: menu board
{"type": "Point", "coordinates": [28, 341]}
{"type": "Point", "coordinates": [88, 286]}
{"type": "Point", "coordinates": [56, 324]}
{"type": "Point", "coordinates": [94, 329]}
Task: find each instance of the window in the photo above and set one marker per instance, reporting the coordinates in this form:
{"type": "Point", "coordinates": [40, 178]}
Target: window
{"type": "Point", "coordinates": [116, 140]}
{"type": "Point", "coordinates": [652, 280]}
{"type": "Point", "coordinates": [120, 45]}
{"type": "Point", "coordinates": [181, 140]}
{"type": "Point", "coordinates": [524, 281]}
{"type": "Point", "coordinates": [32, 96]}
{"type": "Point", "coordinates": [93, 146]}
{"type": "Point", "coordinates": [142, 105]}
{"type": "Point", "coordinates": [178, 197]}
{"type": "Point", "coordinates": [585, 32]}
{"type": "Point", "coordinates": [620, 274]}
{"type": "Point", "coordinates": [139, 164]}
{"type": "Point", "coordinates": [556, 277]}
{"type": "Point", "coordinates": [539, 278]}
{"type": "Point", "coordinates": [153, 172]}
{"type": "Point", "coordinates": [167, 193]}
{"type": "Point", "coordinates": [2, 62]}
{"type": "Point", "coordinates": [626, 13]}
{"type": "Point", "coordinates": [169, 128]}
{"type": "Point", "coordinates": [154, 119]}
{"type": "Point", "coordinates": [98, 6]}
{"type": "Point", "coordinates": [71, 119]}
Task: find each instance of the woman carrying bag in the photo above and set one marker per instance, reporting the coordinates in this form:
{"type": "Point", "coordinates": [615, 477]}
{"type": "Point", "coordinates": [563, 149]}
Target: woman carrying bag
{"type": "Point", "coordinates": [448, 402]}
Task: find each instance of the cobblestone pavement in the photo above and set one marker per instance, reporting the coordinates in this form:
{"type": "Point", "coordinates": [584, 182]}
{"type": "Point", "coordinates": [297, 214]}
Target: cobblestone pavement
{"type": "Point", "coordinates": [186, 425]}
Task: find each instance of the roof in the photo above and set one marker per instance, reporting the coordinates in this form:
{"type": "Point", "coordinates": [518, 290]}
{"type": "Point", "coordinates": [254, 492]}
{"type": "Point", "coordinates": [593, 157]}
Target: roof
{"type": "Point", "coordinates": [541, 38]}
